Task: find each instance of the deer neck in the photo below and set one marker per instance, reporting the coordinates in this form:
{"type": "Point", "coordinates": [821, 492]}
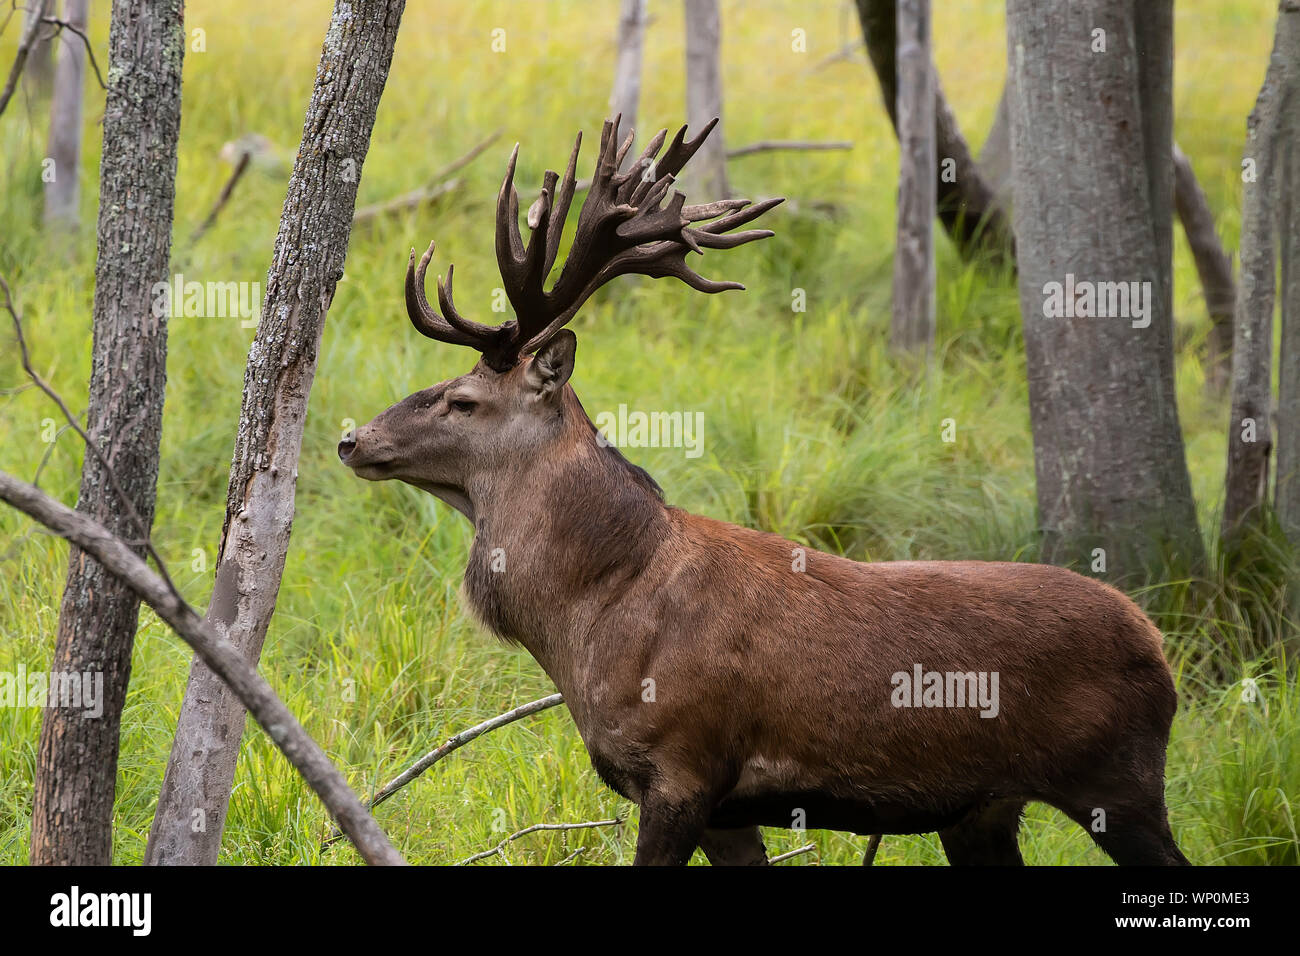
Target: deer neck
{"type": "Point", "coordinates": [556, 544]}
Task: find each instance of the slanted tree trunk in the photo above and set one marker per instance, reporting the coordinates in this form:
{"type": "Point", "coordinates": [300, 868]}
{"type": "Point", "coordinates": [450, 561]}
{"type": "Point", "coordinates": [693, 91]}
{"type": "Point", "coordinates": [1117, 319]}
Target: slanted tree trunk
{"type": "Point", "coordinates": [1092, 202]}
{"type": "Point", "coordinates": [1288, 424]}
{"type": "Point", "coordinates": [1250, 441]}
{"type": "Point", "coordinates": [63, 191]}
{"type": "Point", "coordinates": [310, 249]}
{"type": "Point", "coordinates": [995, 155]}
{"type": "Point", "coordinates": [1213, 266]}
{"type": "Point", "coordinates": [626, 95]}
{"type": "Point", "coordinates": [38, 77]}
{"type": "Point", "coordinates": [708, 171]}
{"type": "Point", "coordinates": [912, 325]}
{"type": "Point", "coordinates": [966, 204]}
{"type": "Point", "coordinates": [76, 770]}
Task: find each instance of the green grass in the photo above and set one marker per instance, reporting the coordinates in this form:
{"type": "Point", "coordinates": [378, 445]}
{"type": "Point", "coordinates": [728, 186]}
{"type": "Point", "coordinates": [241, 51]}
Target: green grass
{"type": "Point", "coordinates": [810, 429]}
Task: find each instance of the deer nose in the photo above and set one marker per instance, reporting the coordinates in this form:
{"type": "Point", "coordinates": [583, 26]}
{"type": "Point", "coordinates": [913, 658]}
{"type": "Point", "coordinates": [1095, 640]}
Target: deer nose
{"type": "Point", "coordinates": [347, 446]}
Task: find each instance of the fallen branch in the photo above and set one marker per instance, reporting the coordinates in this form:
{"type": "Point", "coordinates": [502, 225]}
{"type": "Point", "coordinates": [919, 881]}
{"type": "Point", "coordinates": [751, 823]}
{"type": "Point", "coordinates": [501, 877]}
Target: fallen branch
{"type": "Point", "coordinates": [245, 158]}
{"type": "Point", "coordinates": [426, 194]}
{"type": "Point", "coordinates": [774, 145]}
{"type": "Point", "coordinates": [453, 743]}
{"type": "Point", "coordinates": [793, 853]}
{"type": "Point", "coordinates": [617, 821]}
{"type": "Point", "coordinates": [219, 654]}
{"type": "Point", "coordinates": [403, 203]}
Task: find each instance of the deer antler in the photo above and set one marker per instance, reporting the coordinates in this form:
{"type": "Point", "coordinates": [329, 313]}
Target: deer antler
{"type": "Point", "coordinates": [623, 227]}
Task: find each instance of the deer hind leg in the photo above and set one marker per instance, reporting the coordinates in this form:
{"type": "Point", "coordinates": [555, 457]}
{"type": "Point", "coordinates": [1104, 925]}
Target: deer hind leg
{"type": "Point", "coordinates": [986, 837]}
{"type": "Point", "coordinates": [742, 847]}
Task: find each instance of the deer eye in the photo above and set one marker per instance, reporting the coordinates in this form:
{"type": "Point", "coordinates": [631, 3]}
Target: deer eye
{"type": "Point", "coordinates": [463, 405]}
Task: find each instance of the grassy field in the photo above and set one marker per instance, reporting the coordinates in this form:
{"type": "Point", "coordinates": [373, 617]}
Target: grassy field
{"type": "Point", "coordinates": [810, 430]}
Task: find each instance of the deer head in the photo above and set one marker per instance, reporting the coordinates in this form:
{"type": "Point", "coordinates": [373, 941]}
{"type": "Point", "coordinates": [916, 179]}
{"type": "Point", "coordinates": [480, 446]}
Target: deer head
{"type": "Point", "coordinates": [515, 404]}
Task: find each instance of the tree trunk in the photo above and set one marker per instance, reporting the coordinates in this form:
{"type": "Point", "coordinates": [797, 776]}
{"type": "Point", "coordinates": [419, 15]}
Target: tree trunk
{"type": "Point", "coordinates": [912, 325]}
{"type": "Point", "coordinates": [1250, 443]}
{"type": "Point", "coordinates": [77, 762]}
{"type": "Point", "coordinates": [1288, 430]}
{"type": "Point", "coordinates": [708, 171]}
{"type": "Point", "coordinates": [1093, 205]}
{"type": "Point", "coordinates": [1213, 266]}
{"type": "Point", "coordinates": [310, 249]}
{"type": "Point", "coordinates": [626, 95]}
{"type": "Point", "coordinates": [63, 192]}
{"type": "Point", "coordinates": [995, 155]}
{"type": "Point", "coordinates": [38, 77]}
{"type": "Point", "coordinates": [966, 205]}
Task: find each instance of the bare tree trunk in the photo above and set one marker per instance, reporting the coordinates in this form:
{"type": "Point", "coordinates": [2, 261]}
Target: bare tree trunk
{"type": "Point", "coordinates": [63, 191]}
{"type": "Point", "coordinates": [38, 77]}
{"type": "Point", "coordinates": [1213, 266]}
{"type": "Point", "coordinates": [77, 762]}
{"type": "Point", "coordinates": [310, 249]}
{"type": "Point", "coordinates": [1288, 425]}
{"type": "Point", "coordinates": [1093, 191]}
{"type": "Point", "coordinates": [708, 175]}
{"type": "Point", "coordinates": [912, 325]}
{"type": "Point", "coordinates": [626, 95]}
{"type": "Point", "coordinates": [1250, 442]}
{"type": "Point", "coordinates": [966, 204]}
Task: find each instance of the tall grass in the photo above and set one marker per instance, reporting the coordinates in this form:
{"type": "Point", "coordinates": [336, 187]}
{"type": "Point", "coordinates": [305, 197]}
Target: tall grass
{"type": "Point", "coordinates": [811, 429]}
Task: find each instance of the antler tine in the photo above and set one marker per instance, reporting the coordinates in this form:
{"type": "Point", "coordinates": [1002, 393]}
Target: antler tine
{"type": "Point", "coordinates": [630, 181]}
{"type": "Point", "coordinates": [509, 244]}
{"type": "Point", "coordinates": [457, 331]}
{"type": "Point", "coordinates": [560, 208]}
{"type": "Point", "coordinates": [677, 155]}
{"type": "Point", "coordinates": [468, 326]}
{"type": "Point", "coordinates": [627, 144]}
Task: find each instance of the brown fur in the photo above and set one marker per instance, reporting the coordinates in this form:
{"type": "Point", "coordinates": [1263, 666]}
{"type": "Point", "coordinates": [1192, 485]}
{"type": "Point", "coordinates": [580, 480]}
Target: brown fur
{"type": "Point", "coordinates": [772, 686]}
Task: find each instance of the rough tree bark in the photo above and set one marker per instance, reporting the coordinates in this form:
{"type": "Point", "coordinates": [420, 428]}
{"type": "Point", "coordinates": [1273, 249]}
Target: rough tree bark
{"type": "Point", "coordinates": [77, 762]}
{"type": "Point", "coordinates": [1093, 203]}
{"type": "Point", "coordinates": [1213, 266]}
{"type": "Point", "coordinates": [995, 154]}
{"type": "Point", "coordinates": [1288, 424]}
{"type": "Point", "coordinates": [912, 324]}
{"type": "Point", "coordinates": [626, 94]}
{"type": "Point", "coordinates": [280, 724]}
{"type": "Point", "coordinates": [966, 204]}
{"type": "Point", "coordinates": [1250, 434]}
{"type": "Point", "coordinates": [310, 249]}
{"type": "Point", "coordinates": [63, 192]}
{"type": "Point", "coordinates": [708, 173]}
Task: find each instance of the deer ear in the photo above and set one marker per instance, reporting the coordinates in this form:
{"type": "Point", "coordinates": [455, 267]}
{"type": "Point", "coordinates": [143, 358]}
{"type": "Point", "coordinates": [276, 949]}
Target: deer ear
{"type": "Point", "coordinates": [553, 363]}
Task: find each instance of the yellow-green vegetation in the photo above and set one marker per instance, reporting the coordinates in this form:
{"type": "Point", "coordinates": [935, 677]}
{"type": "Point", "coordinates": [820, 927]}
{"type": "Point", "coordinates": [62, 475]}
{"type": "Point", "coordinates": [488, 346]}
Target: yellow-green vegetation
{"type": "Point", "coordinates": [811, 430]}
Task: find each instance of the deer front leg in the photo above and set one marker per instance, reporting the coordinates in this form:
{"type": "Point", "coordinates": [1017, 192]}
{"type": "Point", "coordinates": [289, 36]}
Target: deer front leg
{"type": "Point", "coordinates": [743, 847]}
{"type": "Point", "coordinates": [671, 828]}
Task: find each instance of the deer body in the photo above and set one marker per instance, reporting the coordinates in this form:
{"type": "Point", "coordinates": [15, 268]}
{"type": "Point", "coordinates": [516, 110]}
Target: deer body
{"type": "Point", "coordinates": [725, 679]}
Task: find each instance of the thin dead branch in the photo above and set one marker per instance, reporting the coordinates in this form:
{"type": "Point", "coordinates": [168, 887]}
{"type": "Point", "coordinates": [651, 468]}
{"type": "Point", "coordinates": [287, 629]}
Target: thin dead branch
{"type": "Point", "coordinates": [791, 854]}
{"type": "Point", "coordinates": [781, 145]}
{"type": "Point", "coordinates": [245, 158]}
{"type": "Point", "coordinates": [453, 743]}
{"type": "Point", "coordinates": [536, 827]}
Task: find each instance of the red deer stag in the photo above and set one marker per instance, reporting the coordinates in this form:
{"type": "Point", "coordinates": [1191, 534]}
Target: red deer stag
{"type": "Point", "coordinates": [725, 679]}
